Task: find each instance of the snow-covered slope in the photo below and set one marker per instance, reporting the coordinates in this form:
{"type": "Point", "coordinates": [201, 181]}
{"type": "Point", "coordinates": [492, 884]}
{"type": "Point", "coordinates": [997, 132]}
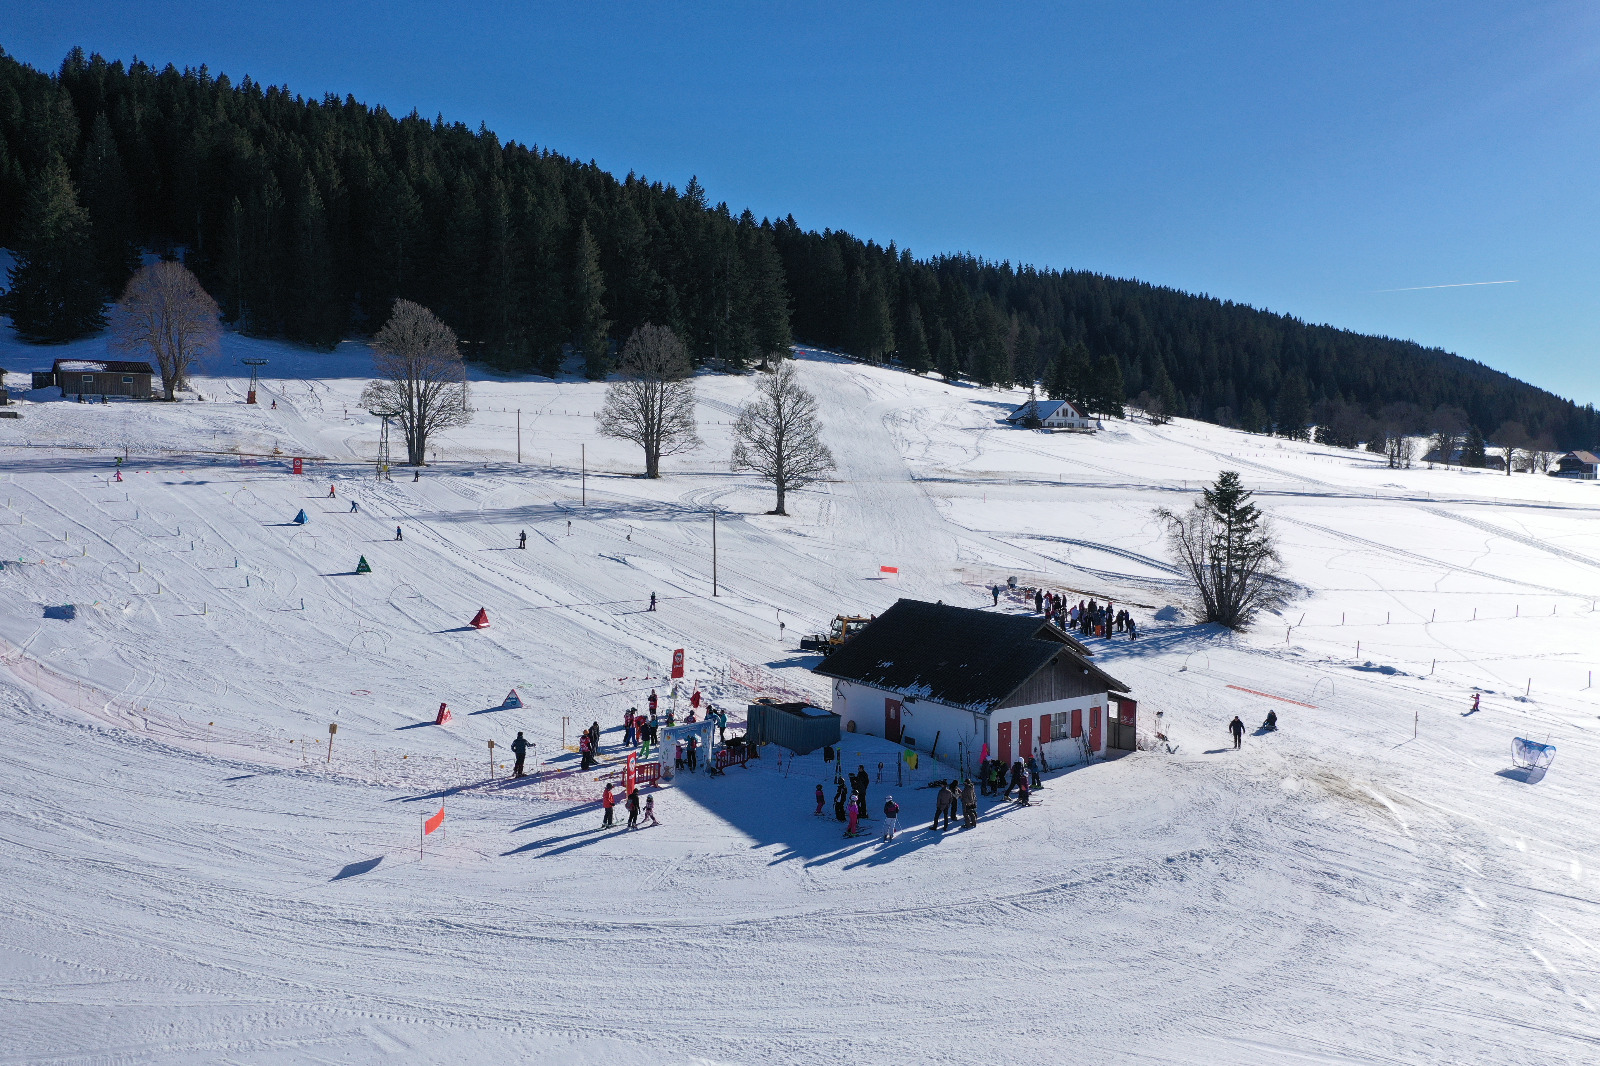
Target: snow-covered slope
{"type": "Point", "coordinates": [193, 878]}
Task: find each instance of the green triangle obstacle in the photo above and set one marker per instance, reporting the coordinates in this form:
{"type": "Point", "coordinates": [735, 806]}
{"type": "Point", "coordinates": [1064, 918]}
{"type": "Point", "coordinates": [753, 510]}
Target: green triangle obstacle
{"type": "Point", "coordinates": [363, 567]}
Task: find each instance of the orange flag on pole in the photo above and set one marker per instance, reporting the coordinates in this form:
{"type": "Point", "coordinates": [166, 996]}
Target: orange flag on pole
{"type": "Point", "coordinates": [433, 823]}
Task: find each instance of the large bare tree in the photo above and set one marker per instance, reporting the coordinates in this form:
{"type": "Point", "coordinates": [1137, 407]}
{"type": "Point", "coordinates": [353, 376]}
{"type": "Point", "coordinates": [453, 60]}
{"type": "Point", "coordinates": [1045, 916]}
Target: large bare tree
{"type": "Point", "coordinates": [421, 378]}
{"type": "Point", "coordinates": [1226, 548]}
{"type": "Point", "coordinates": [779, 436]}
{"type": "Point", "coordinates": [653, 404]}
{"type": "Point", "coordinates": [166, 315]}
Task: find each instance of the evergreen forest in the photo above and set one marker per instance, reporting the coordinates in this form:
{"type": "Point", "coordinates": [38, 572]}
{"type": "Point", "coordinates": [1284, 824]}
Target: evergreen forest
{"type": "Point", "coordinates": [307, 218]}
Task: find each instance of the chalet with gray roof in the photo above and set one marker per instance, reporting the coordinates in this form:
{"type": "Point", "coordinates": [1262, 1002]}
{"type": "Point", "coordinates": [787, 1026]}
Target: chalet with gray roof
{"type": "Point", "coordinates": [1582, 465]}
{"type": "Point", "coordinates": [953, 680]}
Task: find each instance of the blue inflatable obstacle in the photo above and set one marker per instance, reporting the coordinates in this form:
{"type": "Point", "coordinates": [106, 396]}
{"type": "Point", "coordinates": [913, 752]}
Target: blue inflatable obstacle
{"type": "Point", "coordinates": [1531, 755]}
{"type": "Point", "coordinates": [302, 518]}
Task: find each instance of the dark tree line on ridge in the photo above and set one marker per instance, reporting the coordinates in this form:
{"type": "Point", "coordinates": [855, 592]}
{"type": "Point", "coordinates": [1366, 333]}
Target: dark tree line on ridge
{"type": "Point", "coordinates": [308, 218]}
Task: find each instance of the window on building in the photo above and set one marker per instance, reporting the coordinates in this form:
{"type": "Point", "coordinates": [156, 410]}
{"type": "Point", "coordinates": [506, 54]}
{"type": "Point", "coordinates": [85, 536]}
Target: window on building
{"type": "Point", "coordinates": [127, 380]}
{"type": "Point", "coordinates": [1061, 726]}
{"type": "Point", "coordinates": [88, 379]}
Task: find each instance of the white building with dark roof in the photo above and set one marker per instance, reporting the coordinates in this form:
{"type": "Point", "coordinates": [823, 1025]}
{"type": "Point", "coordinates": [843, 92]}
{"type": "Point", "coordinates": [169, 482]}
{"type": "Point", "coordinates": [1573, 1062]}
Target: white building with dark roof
{"type": "Point", "coordinates": [938, 678]}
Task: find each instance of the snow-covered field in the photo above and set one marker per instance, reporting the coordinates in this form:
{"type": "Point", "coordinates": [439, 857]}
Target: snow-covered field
{"type": "Point", "coordinates": [191, 878]}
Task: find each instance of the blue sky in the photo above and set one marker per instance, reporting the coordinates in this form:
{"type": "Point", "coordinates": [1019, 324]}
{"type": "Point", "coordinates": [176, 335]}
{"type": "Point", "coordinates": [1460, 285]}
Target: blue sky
{"type": "Point", "coordinates": [1307, 158]}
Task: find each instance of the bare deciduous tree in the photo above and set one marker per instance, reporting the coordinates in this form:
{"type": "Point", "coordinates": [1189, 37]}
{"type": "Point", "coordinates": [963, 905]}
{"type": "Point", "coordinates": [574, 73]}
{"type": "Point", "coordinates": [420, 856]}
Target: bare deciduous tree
{"type": "Point", "coordinates": [1512, 438]}
{"type": "Point", "coordinates": [653, 404]}
{"type": "Point", "coordinates": [778, 435]}
{"type": "Point", "coordinates": [1227, 550]}
{"type": "Point", "coordinates": [421, 378]}
{"type": "Point", "coordinates": [1544, 453]}
{"type": "Point", "coordinates": [166, 315]}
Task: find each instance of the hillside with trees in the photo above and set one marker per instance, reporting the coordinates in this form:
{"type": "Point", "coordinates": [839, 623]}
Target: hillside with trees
{"type": "Point", "coordinates": [307, 219]}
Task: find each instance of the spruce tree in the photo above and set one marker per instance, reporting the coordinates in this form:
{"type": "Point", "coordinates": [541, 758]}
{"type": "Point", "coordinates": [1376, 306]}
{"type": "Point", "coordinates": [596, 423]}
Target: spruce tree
{"type": "Point", "coordinates": [108, 198]}
{"type": "Point", "coordinates": [55, 292]}
{"type": "Point", "coordinates": [1293, 410]}
{"type": "Point", "coordinates": [1108, 389]}
{"type": "Point", "coordinates": [1474, 453]}
{"type": "Point", "coordinates": [768, 296]}
{"type": "Point", "coordinates": [914, 355]}
{"type": "Point", "coordinates": [1170, 403]}
{"type": "Point", "coordinates": [1058, 375]}
{"type": "Point", "coordinates": [948, 364]}
{"type": "Point", "coordinates": [1078, 376]}
{"type": "Point", "coordinates": [588, 288]}
{"type": "Point", "coordinates": [313, 314]}
{"type": "Point", "coordinates": [1255, 417]}
{"type": "Point", "coordinates": [874, 325]}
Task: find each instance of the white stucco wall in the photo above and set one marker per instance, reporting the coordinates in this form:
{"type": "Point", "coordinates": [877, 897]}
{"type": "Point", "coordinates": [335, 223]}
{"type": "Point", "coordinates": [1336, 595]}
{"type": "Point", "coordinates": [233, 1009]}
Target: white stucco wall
{"type": "Point", "coordinates": [1057, 752]}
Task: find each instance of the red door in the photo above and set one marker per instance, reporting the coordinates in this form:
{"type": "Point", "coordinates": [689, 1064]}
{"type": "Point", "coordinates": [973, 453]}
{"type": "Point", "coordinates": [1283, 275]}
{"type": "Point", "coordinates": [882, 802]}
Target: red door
{"type": "Point", "coordinates": [891, 720]}
{"type": "Point", "coordinates": [1025, 738]}
{"type": "Point", "coordinates": [1094, 729]}
{"type": "Point", "coordinates": [1004, 754]}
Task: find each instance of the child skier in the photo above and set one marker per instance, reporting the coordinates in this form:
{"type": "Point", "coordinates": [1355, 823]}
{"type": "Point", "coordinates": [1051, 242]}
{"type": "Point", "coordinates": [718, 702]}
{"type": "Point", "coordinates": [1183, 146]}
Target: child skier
{"type": "Point", "coordinates": [891, 817]}
{"type": "Point", "coordinates": [854, 812]}
{"type": "Point", "coordinates": [332, 491]}
{"type": "Point", "coordinates": [650, 810]}
{"type": "Point", "coordinates": [821, 799]}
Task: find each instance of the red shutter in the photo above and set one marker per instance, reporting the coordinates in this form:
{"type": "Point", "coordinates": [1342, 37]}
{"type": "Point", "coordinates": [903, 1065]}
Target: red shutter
{"type": "Point", "coordinates": [1044, 729]}
{"type": "Point", "coordinates": [1077, 722]}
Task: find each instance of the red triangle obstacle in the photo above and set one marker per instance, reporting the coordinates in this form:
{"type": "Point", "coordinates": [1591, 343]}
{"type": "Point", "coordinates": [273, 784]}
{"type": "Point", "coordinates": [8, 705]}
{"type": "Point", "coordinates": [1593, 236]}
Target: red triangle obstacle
{"type": "Point", "coordinates": [512, 700]}
{"type": "Point", "coordinates": [443, 717]}
{"type": "Point", "coordinates": [480, 620]}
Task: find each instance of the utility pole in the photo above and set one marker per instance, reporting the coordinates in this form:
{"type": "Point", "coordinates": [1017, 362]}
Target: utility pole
{"type": "Point", "coordinates": [519, 436]}
{"type": "Point", "coordinates": [713, 551]}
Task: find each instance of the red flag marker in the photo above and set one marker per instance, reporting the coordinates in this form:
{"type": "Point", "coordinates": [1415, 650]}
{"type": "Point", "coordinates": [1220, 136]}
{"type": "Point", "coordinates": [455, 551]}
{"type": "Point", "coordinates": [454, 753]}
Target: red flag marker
{"type": "Point", "coordinates": [888, 569]}
{"type": "Point", "coordinates": [433, 823]}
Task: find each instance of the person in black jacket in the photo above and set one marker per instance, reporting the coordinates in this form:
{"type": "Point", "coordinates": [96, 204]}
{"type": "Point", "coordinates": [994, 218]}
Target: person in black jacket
{"type": "Point", "coordinates": [1236, 727]}
{"type": "Point", "coordinates": [633, 808]}
{"type": "Point", "coordinates": [520, 748]}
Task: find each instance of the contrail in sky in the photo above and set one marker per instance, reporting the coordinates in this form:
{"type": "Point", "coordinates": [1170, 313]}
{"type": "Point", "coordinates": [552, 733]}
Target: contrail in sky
{"type": "Point", "coordinates": [1457, 285]}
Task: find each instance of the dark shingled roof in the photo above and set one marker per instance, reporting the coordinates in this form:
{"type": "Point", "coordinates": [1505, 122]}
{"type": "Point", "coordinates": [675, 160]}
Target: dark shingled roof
{"type": "Point", "coordinates": [955, 655]}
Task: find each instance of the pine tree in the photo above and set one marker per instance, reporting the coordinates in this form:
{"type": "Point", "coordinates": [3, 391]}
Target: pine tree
{"type": "Point", "coordinates": [1058, 375]}
{"type": "Point", "coordinates": [768, 296]}
{"type": "Point", "coordinates": [1077, 375]}
{"type": "Point", "coordinates": [914, 355]}
{"type": "Point", "coordinates": [874, 326]}
{"type": "Point", "coordinates": [1293, 410]}
{"type": "Point", "coordinates": [1255, 418]}
{"type": "Point", "coordinates": [588, 287]}
{"type": "Point", "coordinates": [1170, 403]}
{"type": "Point", "coordinates": [312, 315]}
{"type": "Point", "coordinates": [55, 292]}
{"type": "Point", "coordinates": [108, 198]}
{"type": "Point", "coordinates": [948, 364]}
{"type": "Point", "coordinates": [1474, 453]}
{"type": "Point", "coordinates": [1108, 390]}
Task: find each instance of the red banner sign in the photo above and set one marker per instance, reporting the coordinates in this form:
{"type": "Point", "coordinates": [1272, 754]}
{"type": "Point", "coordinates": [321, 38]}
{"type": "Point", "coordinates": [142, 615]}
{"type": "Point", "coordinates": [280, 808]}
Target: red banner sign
{"type": "Point", "coordinates": [677, 663]}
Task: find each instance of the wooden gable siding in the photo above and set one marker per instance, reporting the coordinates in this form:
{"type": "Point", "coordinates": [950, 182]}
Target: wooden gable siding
{"type": "Point", "coordinates": [1060, 679]}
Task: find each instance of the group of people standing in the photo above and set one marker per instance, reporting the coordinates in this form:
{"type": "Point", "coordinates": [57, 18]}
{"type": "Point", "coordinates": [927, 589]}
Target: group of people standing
{"type": "Point", "coordinates": [1024, 778]}
{"type": "Point", "coordinates": [608, 803]}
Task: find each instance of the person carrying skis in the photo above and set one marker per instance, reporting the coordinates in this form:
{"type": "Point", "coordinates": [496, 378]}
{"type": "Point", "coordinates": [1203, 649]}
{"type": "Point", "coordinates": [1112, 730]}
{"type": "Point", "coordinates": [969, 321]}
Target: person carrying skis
{"type": "Point", "coordinates": [522, 539]}
{"type": "Point", "coordinates": [821, 799]}
{"type": "Point", "coordinates": [650, 810]}
{"type": "Point", "coordinates": [891, 818]}
{"type": "Point", "coordinates": [969, 805]}
{"type": "Point", "coordinates": [840, 794]}
{"type": "Point", "coordinates": [633, 808]}
{"type": "Point", "coordinates": [1236, 727]}
{"type": "Point", "coordinates": [609, 802]}
{"type": "Point", "coordinates": [519, 747]}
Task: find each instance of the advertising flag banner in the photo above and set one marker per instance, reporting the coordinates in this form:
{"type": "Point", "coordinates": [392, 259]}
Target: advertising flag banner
{"type": "Point", "coordinates": [677, 663]}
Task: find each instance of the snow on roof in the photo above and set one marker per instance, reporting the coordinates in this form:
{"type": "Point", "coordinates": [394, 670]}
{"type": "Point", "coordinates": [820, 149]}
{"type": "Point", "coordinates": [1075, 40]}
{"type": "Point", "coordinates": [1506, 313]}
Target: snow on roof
{"type": "Point", "coordinates": [101, 366]}
{"type": "Point", "coordinates": [1585, 457]}
{"type": "Point", "coordinates": [1044, 410]}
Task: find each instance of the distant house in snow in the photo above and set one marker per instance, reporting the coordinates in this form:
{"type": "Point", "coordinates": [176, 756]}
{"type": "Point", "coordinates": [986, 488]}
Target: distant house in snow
{"type": "Point", "coordinates": [1582, 465]}
{"type": "Point", "coordinates": [927, 675]}
{"type": "Point", "coordinates": [1051, 415]}
{"type": "Point", "coordinates": [101, 377]}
